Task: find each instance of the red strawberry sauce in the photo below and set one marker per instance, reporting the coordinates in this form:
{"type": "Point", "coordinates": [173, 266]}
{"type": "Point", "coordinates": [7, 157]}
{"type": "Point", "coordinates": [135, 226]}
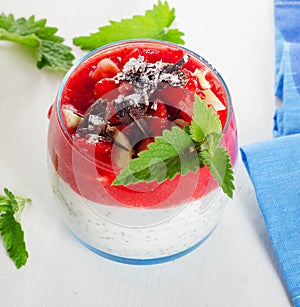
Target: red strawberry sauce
{"type": "Point", "coordinates": [86, 166]}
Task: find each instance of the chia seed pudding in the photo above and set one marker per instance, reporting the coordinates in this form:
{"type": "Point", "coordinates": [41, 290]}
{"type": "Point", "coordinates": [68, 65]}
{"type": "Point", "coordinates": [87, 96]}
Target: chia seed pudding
{"type": "Point", "coordinates": [110, 106]}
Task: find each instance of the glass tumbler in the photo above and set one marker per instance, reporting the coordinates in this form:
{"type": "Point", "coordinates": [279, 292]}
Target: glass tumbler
{"type": "Point", "coordinates": [144, 223]}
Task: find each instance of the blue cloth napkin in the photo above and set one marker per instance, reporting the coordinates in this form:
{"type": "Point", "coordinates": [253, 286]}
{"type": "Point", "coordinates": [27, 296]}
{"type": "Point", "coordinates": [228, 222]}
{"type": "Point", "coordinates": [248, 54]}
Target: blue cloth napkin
{"type": "Point", "coordinates": [274, 165]}
{"type": "Point", "coordinates": [287, 85]}
{"type": "Point", "coordinates": [274, 168]}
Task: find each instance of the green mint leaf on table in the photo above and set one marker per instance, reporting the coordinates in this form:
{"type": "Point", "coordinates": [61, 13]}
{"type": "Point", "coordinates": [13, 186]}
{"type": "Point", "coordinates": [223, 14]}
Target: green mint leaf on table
{"type": "Point", "coordinates": [50, 50]}
{"type": "Point", "coordinates": [155, 24]}
{"type": "Point", "coordinates": [11, 207]}
{"type": "Point", "coordinates": [179, 151]}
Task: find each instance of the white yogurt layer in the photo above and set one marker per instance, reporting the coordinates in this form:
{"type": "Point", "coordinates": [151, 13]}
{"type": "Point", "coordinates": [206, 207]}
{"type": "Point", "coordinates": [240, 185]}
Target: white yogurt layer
{"type": "Point", "coordinates": [138, 233]}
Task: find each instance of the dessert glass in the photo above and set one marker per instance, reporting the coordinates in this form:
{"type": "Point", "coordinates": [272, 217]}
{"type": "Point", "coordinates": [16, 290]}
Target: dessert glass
{"type": "Point", "coordinates": [146, 223]}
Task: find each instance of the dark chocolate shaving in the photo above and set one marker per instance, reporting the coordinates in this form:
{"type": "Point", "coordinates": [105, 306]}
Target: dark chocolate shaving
{"type": "Point", "coordinates": [96, 118]}
{"type": "Point", "coordinates": [171, 68]}
{"type": "Point", "coordinates": [124, 106]}
{"type": "Point", "coordinates": [129, 112]}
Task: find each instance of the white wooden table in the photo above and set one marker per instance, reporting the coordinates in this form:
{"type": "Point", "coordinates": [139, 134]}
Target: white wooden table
{"type": "Point", "coordinates": [236, 266]}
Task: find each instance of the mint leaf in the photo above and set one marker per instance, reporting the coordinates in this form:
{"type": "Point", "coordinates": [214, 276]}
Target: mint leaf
{"type": "Point", "coordinates": [55, 55]}
{"type": "Point", "coordinates": [171, 154]}
{"type": "Point", "coordinates": [11, 207]}
{"type": "Point", "coordinates": [155, 24]}
{"type": "Point", "coordinates": [204, 121]}
{"type": "Point", "coordinates": [11, 200]}
{"type": "Point", "coordinates": [51, 52]}
{"type": "Point", "coordinates": [13, 237]}
{"type": "Point", "coordinates": [206, 129]}
{"type": "Point", "coordinates": [217, 159]}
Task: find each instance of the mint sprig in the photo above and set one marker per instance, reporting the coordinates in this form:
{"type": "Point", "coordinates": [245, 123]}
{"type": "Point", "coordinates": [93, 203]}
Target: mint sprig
{"type": "Point", "coordinates": [11, 208]}
{"type": "Point", "coordinates": [50, 50]}
{"type": "Point", "coordinates": [154, 24]}
{"type": "Point", "coordinates": [171, 154]}
{"type": "Point", "coordinates": [182, 150]}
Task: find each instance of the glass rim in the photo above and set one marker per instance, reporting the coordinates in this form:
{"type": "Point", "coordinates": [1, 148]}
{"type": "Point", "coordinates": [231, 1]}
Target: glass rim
{"type": "Point", "coordinates": [142, 41]}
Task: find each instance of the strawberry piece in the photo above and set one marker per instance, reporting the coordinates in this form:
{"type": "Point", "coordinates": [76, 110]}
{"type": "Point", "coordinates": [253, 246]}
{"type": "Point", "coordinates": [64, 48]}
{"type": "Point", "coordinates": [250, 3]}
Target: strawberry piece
{"type": "Point", "coordinates": [193, 82]}
{"type": "Point", "coordinates": [151, 55]}
{"type": "Point", "coordinates": [105, 86]}
{"type": "Point", "coordinates": [106, 68]}
{"type": "Point", "coordinates": [168, 56]}
{"type": "Point", "coordinates": [159, 109]}
{"type": "Point", "coordinates": [158, 123]}
{"type": "Point", "coordinates": [82, 87]}
{"type": "Point", "coordinates": [103, 151]}
{"type": "Point", "coordinates": [133, 54]}
{"type": "Point", "coordinates": [116, 60]}
{"type": "Point", "coordinates": [100, 150]}
{"type": "Point", "coordinates": [171, 55]}
{"type": "Point", "coordinates": [178, 102]}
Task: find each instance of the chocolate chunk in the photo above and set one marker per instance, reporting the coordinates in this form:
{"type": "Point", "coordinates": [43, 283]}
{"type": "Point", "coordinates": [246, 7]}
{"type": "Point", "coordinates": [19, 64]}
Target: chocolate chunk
{"type": "Point", "coordinates": [95, 119]}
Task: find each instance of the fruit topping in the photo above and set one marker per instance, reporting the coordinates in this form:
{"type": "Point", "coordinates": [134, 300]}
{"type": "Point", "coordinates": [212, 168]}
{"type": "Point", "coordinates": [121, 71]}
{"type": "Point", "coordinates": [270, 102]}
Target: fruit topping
{"type": "Point", "coordinates": [201, 74]}
{"type": "Point", "coordinates": [158, 109]}
{"type": "Point", "coordinates": [210, 97]}
{"type": "Point", "coordinates": [105, 86]}
{"type": "Point", "coordinates": [122, 152]}
{"type": "Point", "coordinates": [214, 101]}
{"type": "Point", "coordinates": [106, 68]}
{"type": "Point", "coordinates": [72, 119]}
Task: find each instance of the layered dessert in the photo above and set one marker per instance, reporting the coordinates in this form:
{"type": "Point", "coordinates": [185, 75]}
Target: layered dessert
{"type": "Point", "coordinates": [112, 104]}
